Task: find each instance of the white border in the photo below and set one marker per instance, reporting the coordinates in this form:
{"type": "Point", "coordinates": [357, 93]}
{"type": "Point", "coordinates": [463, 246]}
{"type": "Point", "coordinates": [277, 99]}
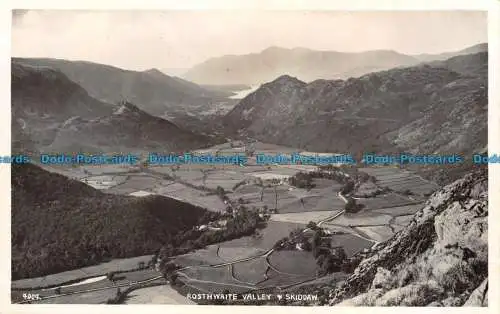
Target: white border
{"type": "Point", "coordinates": [493, 8]}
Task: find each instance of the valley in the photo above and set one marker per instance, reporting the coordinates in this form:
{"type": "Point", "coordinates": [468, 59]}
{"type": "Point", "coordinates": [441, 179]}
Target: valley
{"type": "Point", "coordinates": [249, 263]}
{"type": "Point", "coordinates": [328, 223]}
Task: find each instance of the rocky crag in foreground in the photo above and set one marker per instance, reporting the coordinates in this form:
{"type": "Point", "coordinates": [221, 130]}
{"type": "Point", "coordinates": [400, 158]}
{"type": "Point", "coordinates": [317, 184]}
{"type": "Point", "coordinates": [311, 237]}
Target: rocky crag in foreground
{"type": "Point", "coordinates": [439, 259]}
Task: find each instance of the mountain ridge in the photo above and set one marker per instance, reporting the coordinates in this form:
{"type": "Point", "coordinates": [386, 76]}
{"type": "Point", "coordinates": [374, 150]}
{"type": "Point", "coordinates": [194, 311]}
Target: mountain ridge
{"type": "Point", "coordinates": [405, 109]}
{"type": "Point", "coordinates": [57, 114]}
{"type": "Point", "coordinates": [152, 90]}
{"type": "Point", "coordinates": [306, 64]}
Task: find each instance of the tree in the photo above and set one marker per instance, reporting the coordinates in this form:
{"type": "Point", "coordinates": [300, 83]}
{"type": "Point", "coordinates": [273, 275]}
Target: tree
{"type": "Point", "coordinates": [339, 254]}
{"type": "Point", "coordinates": [110, 276]}
{"type": "Point", "coordinates": [316, 242]}
{"type": "Point", "coordinates": [312, 225]}
{"type": "Point", "coordinates": [220, 191]}
{"type": "Point", "coordinates": [306, 245]}
{"type": "Point", "coordinates": [347, 188]}
{"type": "Point", "coordinates": [173, 279]}
{"type": "Point", "coordinates": [352, 207]}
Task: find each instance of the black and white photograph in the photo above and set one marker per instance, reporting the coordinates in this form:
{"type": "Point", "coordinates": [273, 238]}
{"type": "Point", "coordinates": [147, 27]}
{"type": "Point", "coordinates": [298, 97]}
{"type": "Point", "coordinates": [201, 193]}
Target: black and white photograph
{"type": "Point", "coordinates": [249, 157]}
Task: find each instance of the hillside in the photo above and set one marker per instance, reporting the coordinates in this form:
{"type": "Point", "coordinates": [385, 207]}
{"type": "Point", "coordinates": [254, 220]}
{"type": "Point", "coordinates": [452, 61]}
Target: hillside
{"type": "Point", "coordinates": [152, 91]}
{"type": "Point", "coordinates": [42, 98]}
{"type": "Point", "coordinates": [420, 109]}
{"type": "Point", "coordinates": [52, 113]}
{"type": "Point", "coordinates": [306, 64]}
{"type": "Point", "coordinates": [127, 129]}
{"type": "Point", "coordinates": [483, 47]}
{"type": "Point", "coordinates": [439, 259]}
{"type": "Point", "coordinates": [60, 224]}
{"type": "Point", "coordinates": [473, 64]}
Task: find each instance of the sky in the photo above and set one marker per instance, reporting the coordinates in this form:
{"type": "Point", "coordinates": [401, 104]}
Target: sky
{"type": "Point", "coordinates": [139, 40]}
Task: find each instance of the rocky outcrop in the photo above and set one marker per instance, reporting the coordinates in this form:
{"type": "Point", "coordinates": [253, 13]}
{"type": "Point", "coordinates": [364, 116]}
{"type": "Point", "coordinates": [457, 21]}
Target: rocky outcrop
{"type": "Point", "coordinates": [440, 259]}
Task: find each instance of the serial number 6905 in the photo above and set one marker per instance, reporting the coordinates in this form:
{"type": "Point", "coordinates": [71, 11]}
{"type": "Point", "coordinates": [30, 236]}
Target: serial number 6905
{"type": "Point", "coordinates": [30, 296]}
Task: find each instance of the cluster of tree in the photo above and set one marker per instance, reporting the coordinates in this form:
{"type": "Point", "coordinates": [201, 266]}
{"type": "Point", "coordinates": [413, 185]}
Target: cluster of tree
{"type": "Point", "coordinates": [329, 259]}
{"type": "Point", "coordinates": [245, 223]}
{"type": "Point", "coordinates": [378, 191]}
{"type": "Point", "coordinates": [352, 206]}
{"type": "Point", "coordinates": [295, 239]}
{"type": "Point", "coordinates": [364, 177]}
{"type": "Point", "coordinates": [347, 188]}
{"type": "Point", "coordinates": [302, 180]}
{"type": "Point", "coordinates": [332, 173]}
{"type": "Point", "coordinates": [60, 224]}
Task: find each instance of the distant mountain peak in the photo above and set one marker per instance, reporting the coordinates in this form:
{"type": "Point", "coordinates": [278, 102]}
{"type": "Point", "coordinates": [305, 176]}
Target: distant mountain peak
{"type": "Point", "coordinates": [287, 78]}
{"type": "Point", "coordinates": [154, 71]}
{"type": "Point", "coordinates": [274, 49]}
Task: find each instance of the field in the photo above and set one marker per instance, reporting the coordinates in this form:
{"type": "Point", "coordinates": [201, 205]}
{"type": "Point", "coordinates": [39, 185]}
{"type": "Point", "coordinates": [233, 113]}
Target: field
{"type": "Point", "coordinates": [251, 272]}
{"type": "Point", "coordinates": [283, 281]}
{"type": "Point", "coordinates": [360, 219]}
{"type": "Point", "coordinates": [233, 253]}
{"type": "Point", "coordinates": [95, 297]}
{"type": "Point", "coordinates": [209, 274]}
{"type": "Point", "coordinates": [400, 180]}
{"type": "Point", "coordinates": [93, 292]}
{"type": "Point", "coordinates": [267, 237]}
{"type": "Point", "coordinates": [157, 295]}
{"type": "Point", "coordinates": [199, 257]}
{"type": "Point", "coordinates": [400, 210]}
{"type": "Point", "coordinates": [295, 263]}
{"type": "Point", "coordinates": [403, 220]}
{"type": "Point", "coordinates": [385, 201]}
{"type": "Point", "coordinates": [123, 264]}
{"type": "Point", "coordinates": [304, 217]}
{"type": "Point", "coordinates": [351, 243]}
{"type": "Point", "coordinates": [193, 286]}
{"type": "Point", "coordinates": [377, 233]}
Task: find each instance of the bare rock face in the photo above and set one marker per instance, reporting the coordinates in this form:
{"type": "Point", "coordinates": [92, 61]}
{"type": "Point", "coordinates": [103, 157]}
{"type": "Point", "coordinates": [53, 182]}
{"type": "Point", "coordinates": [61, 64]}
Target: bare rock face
{"type": "Point", "coordinates": [480, 296]}
{"type": "Point", "coordinates": [440, 259]}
